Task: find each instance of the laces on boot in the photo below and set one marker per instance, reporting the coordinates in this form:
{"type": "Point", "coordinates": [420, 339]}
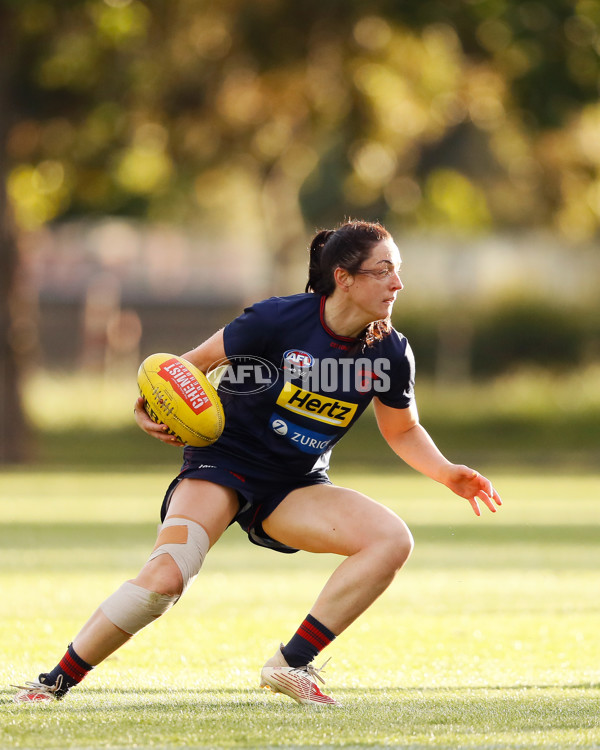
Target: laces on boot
{"type": "Point", "coordinates": [313, 671]}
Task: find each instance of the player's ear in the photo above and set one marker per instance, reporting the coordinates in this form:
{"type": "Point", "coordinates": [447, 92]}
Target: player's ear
{"type": "Point", "coordinates": [343, 278]}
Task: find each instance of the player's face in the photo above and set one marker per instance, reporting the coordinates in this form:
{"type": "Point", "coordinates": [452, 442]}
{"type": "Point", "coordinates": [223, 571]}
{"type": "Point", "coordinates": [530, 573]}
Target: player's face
{"type": "Point", "coordinates": [377, 282]}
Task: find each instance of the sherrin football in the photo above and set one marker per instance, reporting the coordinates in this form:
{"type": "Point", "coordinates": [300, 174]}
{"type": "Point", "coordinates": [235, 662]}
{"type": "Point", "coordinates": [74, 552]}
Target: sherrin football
{"type": "Point", "coordinates": [179, 395]}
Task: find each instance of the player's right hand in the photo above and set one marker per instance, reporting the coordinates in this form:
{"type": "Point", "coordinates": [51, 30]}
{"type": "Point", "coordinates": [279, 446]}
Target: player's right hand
{"type": "Point", "coordinates": [158, 431]}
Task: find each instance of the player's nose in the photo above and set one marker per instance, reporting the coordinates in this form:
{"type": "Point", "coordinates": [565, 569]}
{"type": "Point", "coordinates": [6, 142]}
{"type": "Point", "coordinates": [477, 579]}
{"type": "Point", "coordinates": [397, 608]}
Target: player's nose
{"type": "Point", "coordinates": [396, 282]}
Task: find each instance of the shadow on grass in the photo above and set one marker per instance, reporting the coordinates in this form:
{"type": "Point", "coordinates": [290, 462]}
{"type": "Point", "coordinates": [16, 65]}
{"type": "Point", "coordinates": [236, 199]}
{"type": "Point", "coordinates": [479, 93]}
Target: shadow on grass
{"type": "Point", "coordinates": [66, 536]}
{"type": "Point", "coordinates": [209, 698]}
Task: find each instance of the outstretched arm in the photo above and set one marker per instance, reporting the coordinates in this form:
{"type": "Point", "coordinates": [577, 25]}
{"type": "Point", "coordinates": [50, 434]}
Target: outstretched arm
{"type": "Point", "coordinates": [409, 440]}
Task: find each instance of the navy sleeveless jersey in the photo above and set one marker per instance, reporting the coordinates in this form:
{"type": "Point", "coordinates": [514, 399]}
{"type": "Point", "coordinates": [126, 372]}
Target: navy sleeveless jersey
{"type": "Point", "coordinates": [293, 388]}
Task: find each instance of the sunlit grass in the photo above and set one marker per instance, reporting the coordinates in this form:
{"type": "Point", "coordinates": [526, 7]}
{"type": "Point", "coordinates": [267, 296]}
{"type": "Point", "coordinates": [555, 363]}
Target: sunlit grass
{"type": "Point", "coordinates": [488, 638]}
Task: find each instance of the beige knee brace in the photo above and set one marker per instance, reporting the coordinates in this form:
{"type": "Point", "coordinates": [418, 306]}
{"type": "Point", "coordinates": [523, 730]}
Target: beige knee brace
{"type": "Point", "coordinates": [132, 607]}
{"type": "Point", "coordinates": [186, 542]}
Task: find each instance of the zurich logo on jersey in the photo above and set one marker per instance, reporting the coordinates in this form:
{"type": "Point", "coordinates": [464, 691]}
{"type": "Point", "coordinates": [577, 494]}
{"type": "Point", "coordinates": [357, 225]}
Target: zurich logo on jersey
{"type": "Point", "coordinates": [297, 362]}
{"type": "Point", "coordinates": [307, 441]}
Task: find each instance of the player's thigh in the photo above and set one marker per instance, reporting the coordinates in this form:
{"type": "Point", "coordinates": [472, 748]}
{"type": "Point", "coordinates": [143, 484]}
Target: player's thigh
{"type": "Point", "coordinates": [326, 518]}
{"type": "Point", "coordinates": [211, 505]}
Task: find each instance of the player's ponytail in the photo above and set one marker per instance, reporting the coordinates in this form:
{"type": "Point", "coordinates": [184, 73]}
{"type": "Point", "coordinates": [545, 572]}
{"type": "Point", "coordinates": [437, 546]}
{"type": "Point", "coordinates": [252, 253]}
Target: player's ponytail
{"type": "Point", "coordinates": [317, 280]}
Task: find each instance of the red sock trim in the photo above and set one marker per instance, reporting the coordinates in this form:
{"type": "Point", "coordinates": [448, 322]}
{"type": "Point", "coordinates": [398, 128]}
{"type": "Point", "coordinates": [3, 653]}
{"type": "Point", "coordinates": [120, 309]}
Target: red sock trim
{"type": "Point", "coordinates": [313, 635]}
{"type": "Point", "coordinates": [70, 667]}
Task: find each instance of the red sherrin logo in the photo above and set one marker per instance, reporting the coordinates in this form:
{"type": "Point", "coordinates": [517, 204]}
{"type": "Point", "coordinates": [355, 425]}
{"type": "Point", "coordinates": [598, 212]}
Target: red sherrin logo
{"type": "Point", "coordinates": [185, 384]}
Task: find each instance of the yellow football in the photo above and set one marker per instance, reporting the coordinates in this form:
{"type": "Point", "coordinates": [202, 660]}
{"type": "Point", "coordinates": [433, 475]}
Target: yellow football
{"type": "Point", "coordinates": [179, 395]}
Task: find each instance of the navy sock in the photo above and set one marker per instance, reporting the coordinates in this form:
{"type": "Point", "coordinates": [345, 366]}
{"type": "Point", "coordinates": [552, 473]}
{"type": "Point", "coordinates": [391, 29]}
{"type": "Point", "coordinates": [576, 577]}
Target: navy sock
{"type": "Point", "coordinates": [71, 668]}
{"type": "Point", "coordinates": [310, 639]}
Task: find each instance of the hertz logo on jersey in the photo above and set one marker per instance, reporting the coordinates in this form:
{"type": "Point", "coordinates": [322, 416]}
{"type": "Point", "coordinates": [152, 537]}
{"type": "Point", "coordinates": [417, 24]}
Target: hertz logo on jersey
{"type": "Point", "coordinates": [316, 406]}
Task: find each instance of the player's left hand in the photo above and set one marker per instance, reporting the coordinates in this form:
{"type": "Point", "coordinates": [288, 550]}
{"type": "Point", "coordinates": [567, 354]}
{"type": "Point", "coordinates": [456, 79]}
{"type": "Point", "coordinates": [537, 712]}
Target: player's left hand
{"type": "Point", "coordinates": [471, 485]}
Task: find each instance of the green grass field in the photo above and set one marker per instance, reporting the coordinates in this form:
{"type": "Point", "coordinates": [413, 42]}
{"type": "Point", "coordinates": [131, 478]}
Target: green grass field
{"type": "Point", "coordinates": [487, 639]}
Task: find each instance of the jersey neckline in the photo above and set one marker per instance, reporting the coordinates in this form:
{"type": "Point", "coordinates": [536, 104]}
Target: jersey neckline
{"type": "Point", "coordinates": [327, 329]}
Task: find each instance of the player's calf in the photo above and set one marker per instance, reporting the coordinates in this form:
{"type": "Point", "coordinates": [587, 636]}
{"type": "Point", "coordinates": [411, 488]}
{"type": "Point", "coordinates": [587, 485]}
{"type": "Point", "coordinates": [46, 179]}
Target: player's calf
{"type": "Point", "coordinates": [130, 607]}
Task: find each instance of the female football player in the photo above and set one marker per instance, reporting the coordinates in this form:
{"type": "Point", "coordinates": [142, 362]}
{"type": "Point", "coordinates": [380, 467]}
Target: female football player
{"type": "Point", "coordinates": [330, 352]}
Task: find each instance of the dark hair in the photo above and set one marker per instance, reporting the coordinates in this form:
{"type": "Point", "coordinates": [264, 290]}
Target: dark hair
{"type": "Point", "coordinates": [347, 247]}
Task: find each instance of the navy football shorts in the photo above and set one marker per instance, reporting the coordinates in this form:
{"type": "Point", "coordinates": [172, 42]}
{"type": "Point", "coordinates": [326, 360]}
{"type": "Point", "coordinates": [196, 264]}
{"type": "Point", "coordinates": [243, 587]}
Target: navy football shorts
{"type": "Point", "coordinates": [258, 495]}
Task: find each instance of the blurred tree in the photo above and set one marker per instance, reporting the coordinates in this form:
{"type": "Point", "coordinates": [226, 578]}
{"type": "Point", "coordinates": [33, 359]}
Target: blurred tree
{"type": "Point", "coordinates": [13, 424]}
{"type": "Point", "coordinates": [257, 118]}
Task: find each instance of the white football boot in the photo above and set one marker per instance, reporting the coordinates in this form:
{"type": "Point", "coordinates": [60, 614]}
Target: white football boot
{"type": "Point", "coordinates": [39, 692]}
{"type": "Point", "coordinates": [299, 683]}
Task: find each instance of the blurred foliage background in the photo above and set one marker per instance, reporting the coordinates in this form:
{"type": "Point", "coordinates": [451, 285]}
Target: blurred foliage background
{"type": "Point", "coordinates": [163, 163]}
